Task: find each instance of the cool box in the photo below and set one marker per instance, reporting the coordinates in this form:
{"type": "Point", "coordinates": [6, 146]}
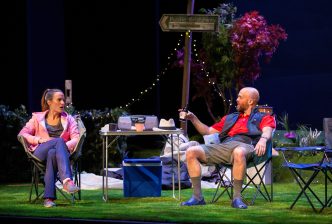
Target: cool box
{"type": "Point", "coordinates": [142, 177]}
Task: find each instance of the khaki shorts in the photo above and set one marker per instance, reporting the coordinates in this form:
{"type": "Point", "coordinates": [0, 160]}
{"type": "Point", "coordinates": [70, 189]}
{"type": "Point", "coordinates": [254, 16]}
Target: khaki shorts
{"type": "Point", "coordinates": [223, 153]}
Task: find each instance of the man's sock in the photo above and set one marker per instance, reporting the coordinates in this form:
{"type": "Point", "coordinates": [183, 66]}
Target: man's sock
{"type": "Point", "coordinates": [237, 187]}
{"type": "Point", "coordinates": [197, 190]}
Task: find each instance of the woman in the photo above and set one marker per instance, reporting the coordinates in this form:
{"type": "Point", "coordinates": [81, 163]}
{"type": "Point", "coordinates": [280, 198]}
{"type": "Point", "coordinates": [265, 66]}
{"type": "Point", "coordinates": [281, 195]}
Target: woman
{"type": "Point", "coordinates": [51, 135]}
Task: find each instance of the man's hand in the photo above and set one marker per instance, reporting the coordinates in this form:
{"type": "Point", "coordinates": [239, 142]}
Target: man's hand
{"type": "Point", "coordinates": [190, 116]}
{"type": "Point", "coordinates": [260, 147]}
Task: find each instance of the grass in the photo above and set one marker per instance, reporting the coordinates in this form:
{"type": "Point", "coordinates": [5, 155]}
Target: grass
{"type": "Point", "coordinates": [14, 202]}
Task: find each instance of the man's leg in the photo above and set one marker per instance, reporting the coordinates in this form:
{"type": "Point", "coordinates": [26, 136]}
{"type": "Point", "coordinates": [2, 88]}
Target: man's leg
{"type": "Point", "coordinates": [239, 169]}
{"type": "Point", "coordinates": [194, 155]}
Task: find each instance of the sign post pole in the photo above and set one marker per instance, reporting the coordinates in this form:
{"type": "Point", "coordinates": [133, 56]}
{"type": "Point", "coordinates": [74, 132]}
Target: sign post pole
{"type": "Point", "coordinates": [188, 23]}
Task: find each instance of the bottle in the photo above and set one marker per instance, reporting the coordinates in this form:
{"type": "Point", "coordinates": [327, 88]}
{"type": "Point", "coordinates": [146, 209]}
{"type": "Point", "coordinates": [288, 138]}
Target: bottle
{"type": "Point", "coordinates": [183, 113]}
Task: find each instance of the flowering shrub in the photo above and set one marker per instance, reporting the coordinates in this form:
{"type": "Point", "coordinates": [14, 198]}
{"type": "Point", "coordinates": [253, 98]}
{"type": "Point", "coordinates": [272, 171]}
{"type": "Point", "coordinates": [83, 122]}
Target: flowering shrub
{"type": "Point", "coordinates": [252, 38]}
{"type": "Point", "coordinates": [231, 58]}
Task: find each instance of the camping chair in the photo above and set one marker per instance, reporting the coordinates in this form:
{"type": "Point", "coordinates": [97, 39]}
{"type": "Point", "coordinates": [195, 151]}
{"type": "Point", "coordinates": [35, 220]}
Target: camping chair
{"type": "Point", "coordinates": [305, 171]}
{"type": "Point", "coordinates": [38, 167]}
{"type": "Point", "coordinates": [259, 164]}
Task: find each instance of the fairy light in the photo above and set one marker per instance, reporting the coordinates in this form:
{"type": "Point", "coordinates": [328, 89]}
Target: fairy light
{"type": "Point", "coordinates": [210, 81]}
{"type": "Point", "coordinates": [158, 77]}
{"type": "Point", "coordinates": [157, 80]}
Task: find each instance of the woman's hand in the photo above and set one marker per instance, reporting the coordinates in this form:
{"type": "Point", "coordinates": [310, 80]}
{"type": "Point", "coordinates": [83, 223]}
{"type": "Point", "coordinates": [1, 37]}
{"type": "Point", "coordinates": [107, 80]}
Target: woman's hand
{"type": "Point", "coordinates": [42, 140]}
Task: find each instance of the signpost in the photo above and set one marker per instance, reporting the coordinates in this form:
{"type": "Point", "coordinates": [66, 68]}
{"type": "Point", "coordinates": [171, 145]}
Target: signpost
{"type": "Point", "coordinates": [193, 22]}
{"type": "Point", "coordinates": [188, 23]}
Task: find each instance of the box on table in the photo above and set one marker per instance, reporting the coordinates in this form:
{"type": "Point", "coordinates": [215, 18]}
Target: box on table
{"type": "Point", "coordinates": [142, 177]}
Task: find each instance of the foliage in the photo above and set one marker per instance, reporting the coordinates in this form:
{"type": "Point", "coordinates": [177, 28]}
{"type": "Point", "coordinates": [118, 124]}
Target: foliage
{"type": "Point", "coordinates": [307, 137]}
{"type": "Point", "coordinates": [231, 58]}
{"type": "Point", "coordinates": [252, 38]}
{"type": "Point", "coordinates": [94, 120]}
{"type": "Point", "coordinates": [284, 122]}
{"type": "Point", "coordinates": [303, 136]}
{"type": "Point", "coordinates": [12, 166]}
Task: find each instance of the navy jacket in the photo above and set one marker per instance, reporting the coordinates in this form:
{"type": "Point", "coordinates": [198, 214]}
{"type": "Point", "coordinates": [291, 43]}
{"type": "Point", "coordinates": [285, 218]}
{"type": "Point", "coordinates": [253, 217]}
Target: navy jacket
{"type": "Point", "coordinates": [250, 137]}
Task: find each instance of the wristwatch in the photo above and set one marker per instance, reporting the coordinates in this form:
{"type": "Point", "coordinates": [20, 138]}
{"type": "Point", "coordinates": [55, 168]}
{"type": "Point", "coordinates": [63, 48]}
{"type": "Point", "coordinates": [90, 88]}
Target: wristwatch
{"type": "Point", "coordinates": [265, 137]}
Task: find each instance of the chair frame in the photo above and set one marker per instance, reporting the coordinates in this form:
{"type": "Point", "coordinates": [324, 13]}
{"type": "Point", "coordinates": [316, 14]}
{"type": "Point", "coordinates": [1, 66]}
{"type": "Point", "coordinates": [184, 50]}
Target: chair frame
{"type": "Point", "coordinates": [267, 195]}
{"type": "Point", "coordinates": [76, 155]}
{"type": "Point", "coordinates": [323, 165]}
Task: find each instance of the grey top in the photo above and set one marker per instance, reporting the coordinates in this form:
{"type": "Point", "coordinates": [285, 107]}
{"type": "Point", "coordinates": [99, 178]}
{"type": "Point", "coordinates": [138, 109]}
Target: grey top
{"type": "Point", "coordinates": [54, 131]}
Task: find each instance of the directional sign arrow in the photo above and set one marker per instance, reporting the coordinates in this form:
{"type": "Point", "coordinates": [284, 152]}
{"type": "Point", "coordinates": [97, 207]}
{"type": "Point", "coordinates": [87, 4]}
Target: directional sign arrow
{"type": "Point", "coordinates": [184, 22]}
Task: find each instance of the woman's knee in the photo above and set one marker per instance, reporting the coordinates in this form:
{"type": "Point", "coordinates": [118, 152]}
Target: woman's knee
{"type": "Point", "coordinates": [61, 145]}
{"type": "Point", "coordinates": [51, 153]}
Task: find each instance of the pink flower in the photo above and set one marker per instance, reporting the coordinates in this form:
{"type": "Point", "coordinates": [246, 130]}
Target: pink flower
{"type": "Point", "coordinates": [290, 135]}
{"type": "Point", "coordinates": [252, 38]}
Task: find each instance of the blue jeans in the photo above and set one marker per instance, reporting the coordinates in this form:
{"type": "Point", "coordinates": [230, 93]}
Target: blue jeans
{"type": "Point", "coordinates": [55, 153]}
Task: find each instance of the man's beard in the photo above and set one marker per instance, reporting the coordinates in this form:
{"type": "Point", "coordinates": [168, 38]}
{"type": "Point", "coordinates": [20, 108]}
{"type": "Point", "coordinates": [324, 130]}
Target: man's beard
{"type": "Point", "coordinates": [240, 108]}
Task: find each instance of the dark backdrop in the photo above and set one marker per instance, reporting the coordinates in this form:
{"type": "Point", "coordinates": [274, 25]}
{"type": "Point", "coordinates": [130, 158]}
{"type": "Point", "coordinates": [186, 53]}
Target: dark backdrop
{"type": "Point", "coordinates": [122, 42]}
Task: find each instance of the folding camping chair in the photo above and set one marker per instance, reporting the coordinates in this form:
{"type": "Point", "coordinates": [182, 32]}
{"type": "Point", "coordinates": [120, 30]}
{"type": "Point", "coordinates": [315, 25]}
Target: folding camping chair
{"type": "Point", "coordinates": [305, 173]}
{"type": "Point", "coordinates": [260, 165]}
{"type": "Point", "coordinates": [38, 167]}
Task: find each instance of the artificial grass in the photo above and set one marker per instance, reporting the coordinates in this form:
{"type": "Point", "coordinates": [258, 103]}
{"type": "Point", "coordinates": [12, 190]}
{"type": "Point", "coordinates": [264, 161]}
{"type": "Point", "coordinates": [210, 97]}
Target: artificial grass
{"type": "Point", "coordinates": [14, 202]}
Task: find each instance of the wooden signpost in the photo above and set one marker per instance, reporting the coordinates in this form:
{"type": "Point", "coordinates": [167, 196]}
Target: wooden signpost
{"type": "Point", "coordinates": [188, 23]}
{"type": "Point", "coordinates": [194, 23]}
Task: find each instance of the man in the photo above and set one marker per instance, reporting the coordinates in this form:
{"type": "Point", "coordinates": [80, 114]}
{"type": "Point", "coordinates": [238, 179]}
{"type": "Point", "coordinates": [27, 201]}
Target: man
{"type": "Point", "coordinates": [243, 135]}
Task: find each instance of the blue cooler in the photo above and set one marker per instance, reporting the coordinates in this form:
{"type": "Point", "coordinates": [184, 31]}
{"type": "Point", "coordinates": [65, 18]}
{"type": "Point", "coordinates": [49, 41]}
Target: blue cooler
{"type": "Point", "coordinates": [142, 177]}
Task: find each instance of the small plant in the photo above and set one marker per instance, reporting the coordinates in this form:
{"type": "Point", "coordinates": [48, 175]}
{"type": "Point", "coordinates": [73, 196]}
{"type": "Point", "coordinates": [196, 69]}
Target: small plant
{"type": "Point", "coordinates": [284, 122]}
{"type": "Point", "coordinates": [307, 137]}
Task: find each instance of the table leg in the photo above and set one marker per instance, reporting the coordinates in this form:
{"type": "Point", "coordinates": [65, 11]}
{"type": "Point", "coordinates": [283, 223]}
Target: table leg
{"type": "Point", "coordinates": [106, 146]}
{"type": "Point", "coordinates": [103, 167]}
{"type": "Point", "coordinates": [106, 169]}
{"type": "Point", "coordinates": [173, 175]}
{"type": "Point", "coordinates": [179, 170]}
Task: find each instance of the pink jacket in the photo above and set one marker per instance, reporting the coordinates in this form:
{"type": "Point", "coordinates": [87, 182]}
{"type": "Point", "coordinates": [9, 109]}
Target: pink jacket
{"type": "Point", "coordinates": [35, 129]}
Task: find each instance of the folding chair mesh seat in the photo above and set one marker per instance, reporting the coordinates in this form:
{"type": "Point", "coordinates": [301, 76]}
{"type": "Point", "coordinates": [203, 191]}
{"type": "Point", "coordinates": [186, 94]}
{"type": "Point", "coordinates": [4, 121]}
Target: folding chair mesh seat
{"type": "Point", "coordinates": [300, 169]}
{"type": "Point", "coordinates": [38, 167]}
{"type": "Point", "coordinates": [260, 172]}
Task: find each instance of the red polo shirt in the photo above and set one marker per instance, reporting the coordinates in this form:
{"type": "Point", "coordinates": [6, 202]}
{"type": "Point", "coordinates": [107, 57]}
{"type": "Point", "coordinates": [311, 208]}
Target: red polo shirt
{"type": "Point", "coordinates": [240, 125]}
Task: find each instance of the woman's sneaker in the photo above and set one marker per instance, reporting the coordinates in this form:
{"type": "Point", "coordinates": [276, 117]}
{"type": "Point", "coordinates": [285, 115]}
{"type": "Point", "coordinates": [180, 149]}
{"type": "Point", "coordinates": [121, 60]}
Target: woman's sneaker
{"type": "Point", "coordinates": [70, 187]}
{"type": "Point", "coordinates": [48, 203]}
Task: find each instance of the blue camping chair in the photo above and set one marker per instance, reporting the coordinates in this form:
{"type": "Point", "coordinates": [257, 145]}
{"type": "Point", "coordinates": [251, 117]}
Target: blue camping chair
{"type": "Point", "coordinates": [306, 173]}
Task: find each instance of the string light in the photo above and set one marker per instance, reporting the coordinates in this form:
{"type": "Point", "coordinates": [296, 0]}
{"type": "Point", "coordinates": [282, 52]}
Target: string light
{"type": "Point", "coordinates": [207, 75]}
{"type": "Point", "coordinates": [147, 90]}
{"type": "Point", "coordinates": [156, 81]}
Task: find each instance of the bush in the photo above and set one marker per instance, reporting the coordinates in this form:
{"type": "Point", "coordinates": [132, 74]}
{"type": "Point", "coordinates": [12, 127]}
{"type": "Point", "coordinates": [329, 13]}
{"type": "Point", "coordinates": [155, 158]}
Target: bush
{"type": "Point", "coordinates": [14, 166]}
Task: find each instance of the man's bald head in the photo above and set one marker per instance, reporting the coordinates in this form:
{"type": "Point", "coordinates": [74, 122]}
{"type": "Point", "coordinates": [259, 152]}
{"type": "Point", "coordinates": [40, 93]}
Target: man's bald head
{"type": "Point", "coordinates": [252, 93]}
